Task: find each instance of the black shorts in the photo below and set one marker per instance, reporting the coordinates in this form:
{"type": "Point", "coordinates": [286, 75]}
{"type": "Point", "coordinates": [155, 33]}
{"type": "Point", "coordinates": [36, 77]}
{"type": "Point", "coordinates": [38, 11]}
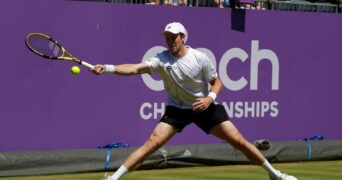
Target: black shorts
{"type": "Point", "coordinates": [206, 120]}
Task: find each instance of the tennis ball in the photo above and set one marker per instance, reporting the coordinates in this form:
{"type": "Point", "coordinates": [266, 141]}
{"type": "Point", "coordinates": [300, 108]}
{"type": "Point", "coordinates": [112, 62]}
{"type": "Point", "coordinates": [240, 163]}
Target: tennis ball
{"type": "Point", "coordinates": [75, 70]}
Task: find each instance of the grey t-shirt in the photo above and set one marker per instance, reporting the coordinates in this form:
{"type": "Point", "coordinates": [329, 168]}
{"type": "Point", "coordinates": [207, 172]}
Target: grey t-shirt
{"type": "Point", "coordinates": [185, 79]}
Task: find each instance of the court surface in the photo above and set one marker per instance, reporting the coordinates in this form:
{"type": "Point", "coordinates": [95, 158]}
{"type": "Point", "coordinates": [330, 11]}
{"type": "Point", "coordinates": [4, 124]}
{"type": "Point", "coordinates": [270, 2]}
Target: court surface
{"type": "Point", "coordinates": [316, 170]}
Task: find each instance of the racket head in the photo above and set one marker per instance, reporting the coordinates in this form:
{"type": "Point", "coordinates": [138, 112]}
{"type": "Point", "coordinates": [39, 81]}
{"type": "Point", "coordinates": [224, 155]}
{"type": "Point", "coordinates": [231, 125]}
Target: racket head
{"type": "Point", "coordinates": [45, 46]}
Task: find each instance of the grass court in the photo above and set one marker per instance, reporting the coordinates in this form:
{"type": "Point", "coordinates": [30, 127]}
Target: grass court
{"type": "Point", "coordinates": [314, 170]}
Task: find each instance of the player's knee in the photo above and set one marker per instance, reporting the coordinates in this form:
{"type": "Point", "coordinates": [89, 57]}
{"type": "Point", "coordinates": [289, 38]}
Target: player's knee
{"type": "Point", "coordinates": [152, 145]}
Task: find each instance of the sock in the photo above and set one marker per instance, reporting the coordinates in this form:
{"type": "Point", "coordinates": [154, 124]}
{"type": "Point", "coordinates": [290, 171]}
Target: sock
{"type": "Point", "coordinates": [120, 172]}
{"type": "Point", "coordinates": [269, 168]}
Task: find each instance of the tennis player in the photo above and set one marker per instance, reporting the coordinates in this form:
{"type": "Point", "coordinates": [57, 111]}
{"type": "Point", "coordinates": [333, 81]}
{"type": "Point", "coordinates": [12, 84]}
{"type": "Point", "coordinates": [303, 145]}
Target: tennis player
{"type": "Point", "coordinates": [187, 74]}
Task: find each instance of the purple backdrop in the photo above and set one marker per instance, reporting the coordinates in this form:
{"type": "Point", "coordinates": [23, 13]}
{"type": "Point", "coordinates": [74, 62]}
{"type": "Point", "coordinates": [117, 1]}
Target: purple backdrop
{"type": "Point", "coordinates": [281, 73]}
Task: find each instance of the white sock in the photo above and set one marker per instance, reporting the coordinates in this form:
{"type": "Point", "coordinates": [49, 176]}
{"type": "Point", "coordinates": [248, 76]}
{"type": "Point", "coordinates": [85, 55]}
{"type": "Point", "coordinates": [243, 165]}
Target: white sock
{"type": "Point", "coordinates": [120, 172]}
{"type": "Point", "coordinates": [269, 168]}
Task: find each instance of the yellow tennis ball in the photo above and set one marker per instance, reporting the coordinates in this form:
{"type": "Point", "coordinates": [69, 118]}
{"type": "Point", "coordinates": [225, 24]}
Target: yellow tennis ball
{"type": "Point", "coordinates": [75, 70]}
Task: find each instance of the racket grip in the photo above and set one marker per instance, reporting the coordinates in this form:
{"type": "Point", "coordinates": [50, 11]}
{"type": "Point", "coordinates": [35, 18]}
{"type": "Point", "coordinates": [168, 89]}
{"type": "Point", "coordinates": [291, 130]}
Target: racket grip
{"type": "Point", "coordinates": [86, 64]}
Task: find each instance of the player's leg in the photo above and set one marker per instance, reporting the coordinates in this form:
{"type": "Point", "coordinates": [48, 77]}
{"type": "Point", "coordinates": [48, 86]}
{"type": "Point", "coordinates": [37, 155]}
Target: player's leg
{"type": "Point", "coordinates": [160, 135]}
{"type": "Point", "coordinates": [228, 132]}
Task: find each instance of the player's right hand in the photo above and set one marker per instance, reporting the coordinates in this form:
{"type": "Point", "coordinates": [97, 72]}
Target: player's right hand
{"type": "Point", "coordinates": [98, 69]}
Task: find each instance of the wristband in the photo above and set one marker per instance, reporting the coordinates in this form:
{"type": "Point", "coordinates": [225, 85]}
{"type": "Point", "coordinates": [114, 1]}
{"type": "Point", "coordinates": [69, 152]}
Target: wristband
{"type": "Point", "coordinates": [109, 68]}
{"type": "Point", "coordinates": [212, 95]}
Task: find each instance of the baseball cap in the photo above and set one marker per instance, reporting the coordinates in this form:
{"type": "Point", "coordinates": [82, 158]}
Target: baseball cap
{"type": "Point", "coordinates": [176, 28]}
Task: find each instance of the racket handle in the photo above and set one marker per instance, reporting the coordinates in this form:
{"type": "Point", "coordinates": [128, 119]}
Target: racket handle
{"type": "Point", "coordinates": [86, 64]}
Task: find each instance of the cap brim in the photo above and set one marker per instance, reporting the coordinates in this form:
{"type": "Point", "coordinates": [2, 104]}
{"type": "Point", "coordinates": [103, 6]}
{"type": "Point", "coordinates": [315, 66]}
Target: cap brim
{"type": "Point", "coordinates": [163, 33]}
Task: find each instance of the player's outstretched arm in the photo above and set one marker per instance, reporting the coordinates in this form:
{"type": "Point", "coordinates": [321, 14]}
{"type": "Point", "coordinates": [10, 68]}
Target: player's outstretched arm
{"type": "Point", "coordinates": [122, 69]}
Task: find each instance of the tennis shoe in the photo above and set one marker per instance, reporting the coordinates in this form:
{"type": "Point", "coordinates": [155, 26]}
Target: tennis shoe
{"type": "Point", "coordinates": [282, 176]}
{"type": "Point", "coordinates": [110, 178]}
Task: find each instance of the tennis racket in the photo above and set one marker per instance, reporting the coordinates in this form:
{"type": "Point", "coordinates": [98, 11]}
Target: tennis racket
{"type": "Point", "coordinates": [46, 47]}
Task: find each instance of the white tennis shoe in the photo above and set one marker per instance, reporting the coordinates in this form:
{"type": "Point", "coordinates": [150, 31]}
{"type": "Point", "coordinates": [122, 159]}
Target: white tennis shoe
{"type": "Point", "coordinates": [110, 178]}
{"type": "Point", "coordinates": [282, 176]}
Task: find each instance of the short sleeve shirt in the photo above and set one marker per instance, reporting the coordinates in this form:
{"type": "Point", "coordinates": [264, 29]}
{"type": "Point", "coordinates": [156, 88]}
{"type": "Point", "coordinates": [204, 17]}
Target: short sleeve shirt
{"type": "Point", "coordinates": [186, 78]}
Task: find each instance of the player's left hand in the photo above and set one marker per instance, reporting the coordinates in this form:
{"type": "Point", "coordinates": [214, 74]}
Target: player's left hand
{"type": "Point", "coordinates": [202, 104]}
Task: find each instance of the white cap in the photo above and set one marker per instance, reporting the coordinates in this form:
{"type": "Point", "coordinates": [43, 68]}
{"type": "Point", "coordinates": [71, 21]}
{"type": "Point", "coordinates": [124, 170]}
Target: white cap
{"type": "Point", "coordinates": [176, 28]}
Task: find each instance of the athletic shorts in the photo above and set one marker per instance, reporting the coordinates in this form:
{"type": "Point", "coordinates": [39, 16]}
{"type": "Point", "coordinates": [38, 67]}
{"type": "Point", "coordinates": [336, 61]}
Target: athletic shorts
{"type": "Point", "coordinates": [206, 120]}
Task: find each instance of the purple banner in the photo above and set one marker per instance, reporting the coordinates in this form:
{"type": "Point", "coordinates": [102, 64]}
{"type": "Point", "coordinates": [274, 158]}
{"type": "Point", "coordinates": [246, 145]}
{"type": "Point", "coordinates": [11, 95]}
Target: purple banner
{"type": "Point", "coordinates": [280, 71]}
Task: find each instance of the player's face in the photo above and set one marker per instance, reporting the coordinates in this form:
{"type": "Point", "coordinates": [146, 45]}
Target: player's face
{"type": "Point", "coordinates": [175, 42]}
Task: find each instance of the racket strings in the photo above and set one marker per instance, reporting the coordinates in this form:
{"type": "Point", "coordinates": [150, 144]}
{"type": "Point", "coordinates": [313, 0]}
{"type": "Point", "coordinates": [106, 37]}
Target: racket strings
{"type": "Point", "coordinates": [44, 46]}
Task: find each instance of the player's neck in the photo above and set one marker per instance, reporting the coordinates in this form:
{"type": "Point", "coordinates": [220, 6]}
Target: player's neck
{"type": "Point", "coordinates": [181, 53]}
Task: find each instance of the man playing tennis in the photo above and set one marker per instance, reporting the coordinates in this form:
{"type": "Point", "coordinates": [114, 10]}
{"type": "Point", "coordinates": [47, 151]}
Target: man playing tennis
{"type": "Point", "coordinates": [186, 74]}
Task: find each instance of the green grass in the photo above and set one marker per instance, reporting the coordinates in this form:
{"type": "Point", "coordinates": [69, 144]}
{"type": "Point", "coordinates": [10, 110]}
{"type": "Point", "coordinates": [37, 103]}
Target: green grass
{"type": "Point", "coordinates": [317, 170]}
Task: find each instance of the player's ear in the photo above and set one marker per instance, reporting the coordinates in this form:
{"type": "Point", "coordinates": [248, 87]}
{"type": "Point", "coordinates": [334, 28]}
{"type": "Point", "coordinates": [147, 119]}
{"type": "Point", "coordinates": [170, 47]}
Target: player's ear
{"type": "Point", "coordinates": [183, 38]}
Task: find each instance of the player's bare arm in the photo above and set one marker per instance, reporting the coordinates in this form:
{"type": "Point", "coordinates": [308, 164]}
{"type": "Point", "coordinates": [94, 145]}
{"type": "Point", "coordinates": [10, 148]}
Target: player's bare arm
{"type": "Point", "coordinates": [122, 69]}
{"type": "Point", "coordinates": [216, 86]}
{"type": "Point", "coordinates": [202, 104]}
